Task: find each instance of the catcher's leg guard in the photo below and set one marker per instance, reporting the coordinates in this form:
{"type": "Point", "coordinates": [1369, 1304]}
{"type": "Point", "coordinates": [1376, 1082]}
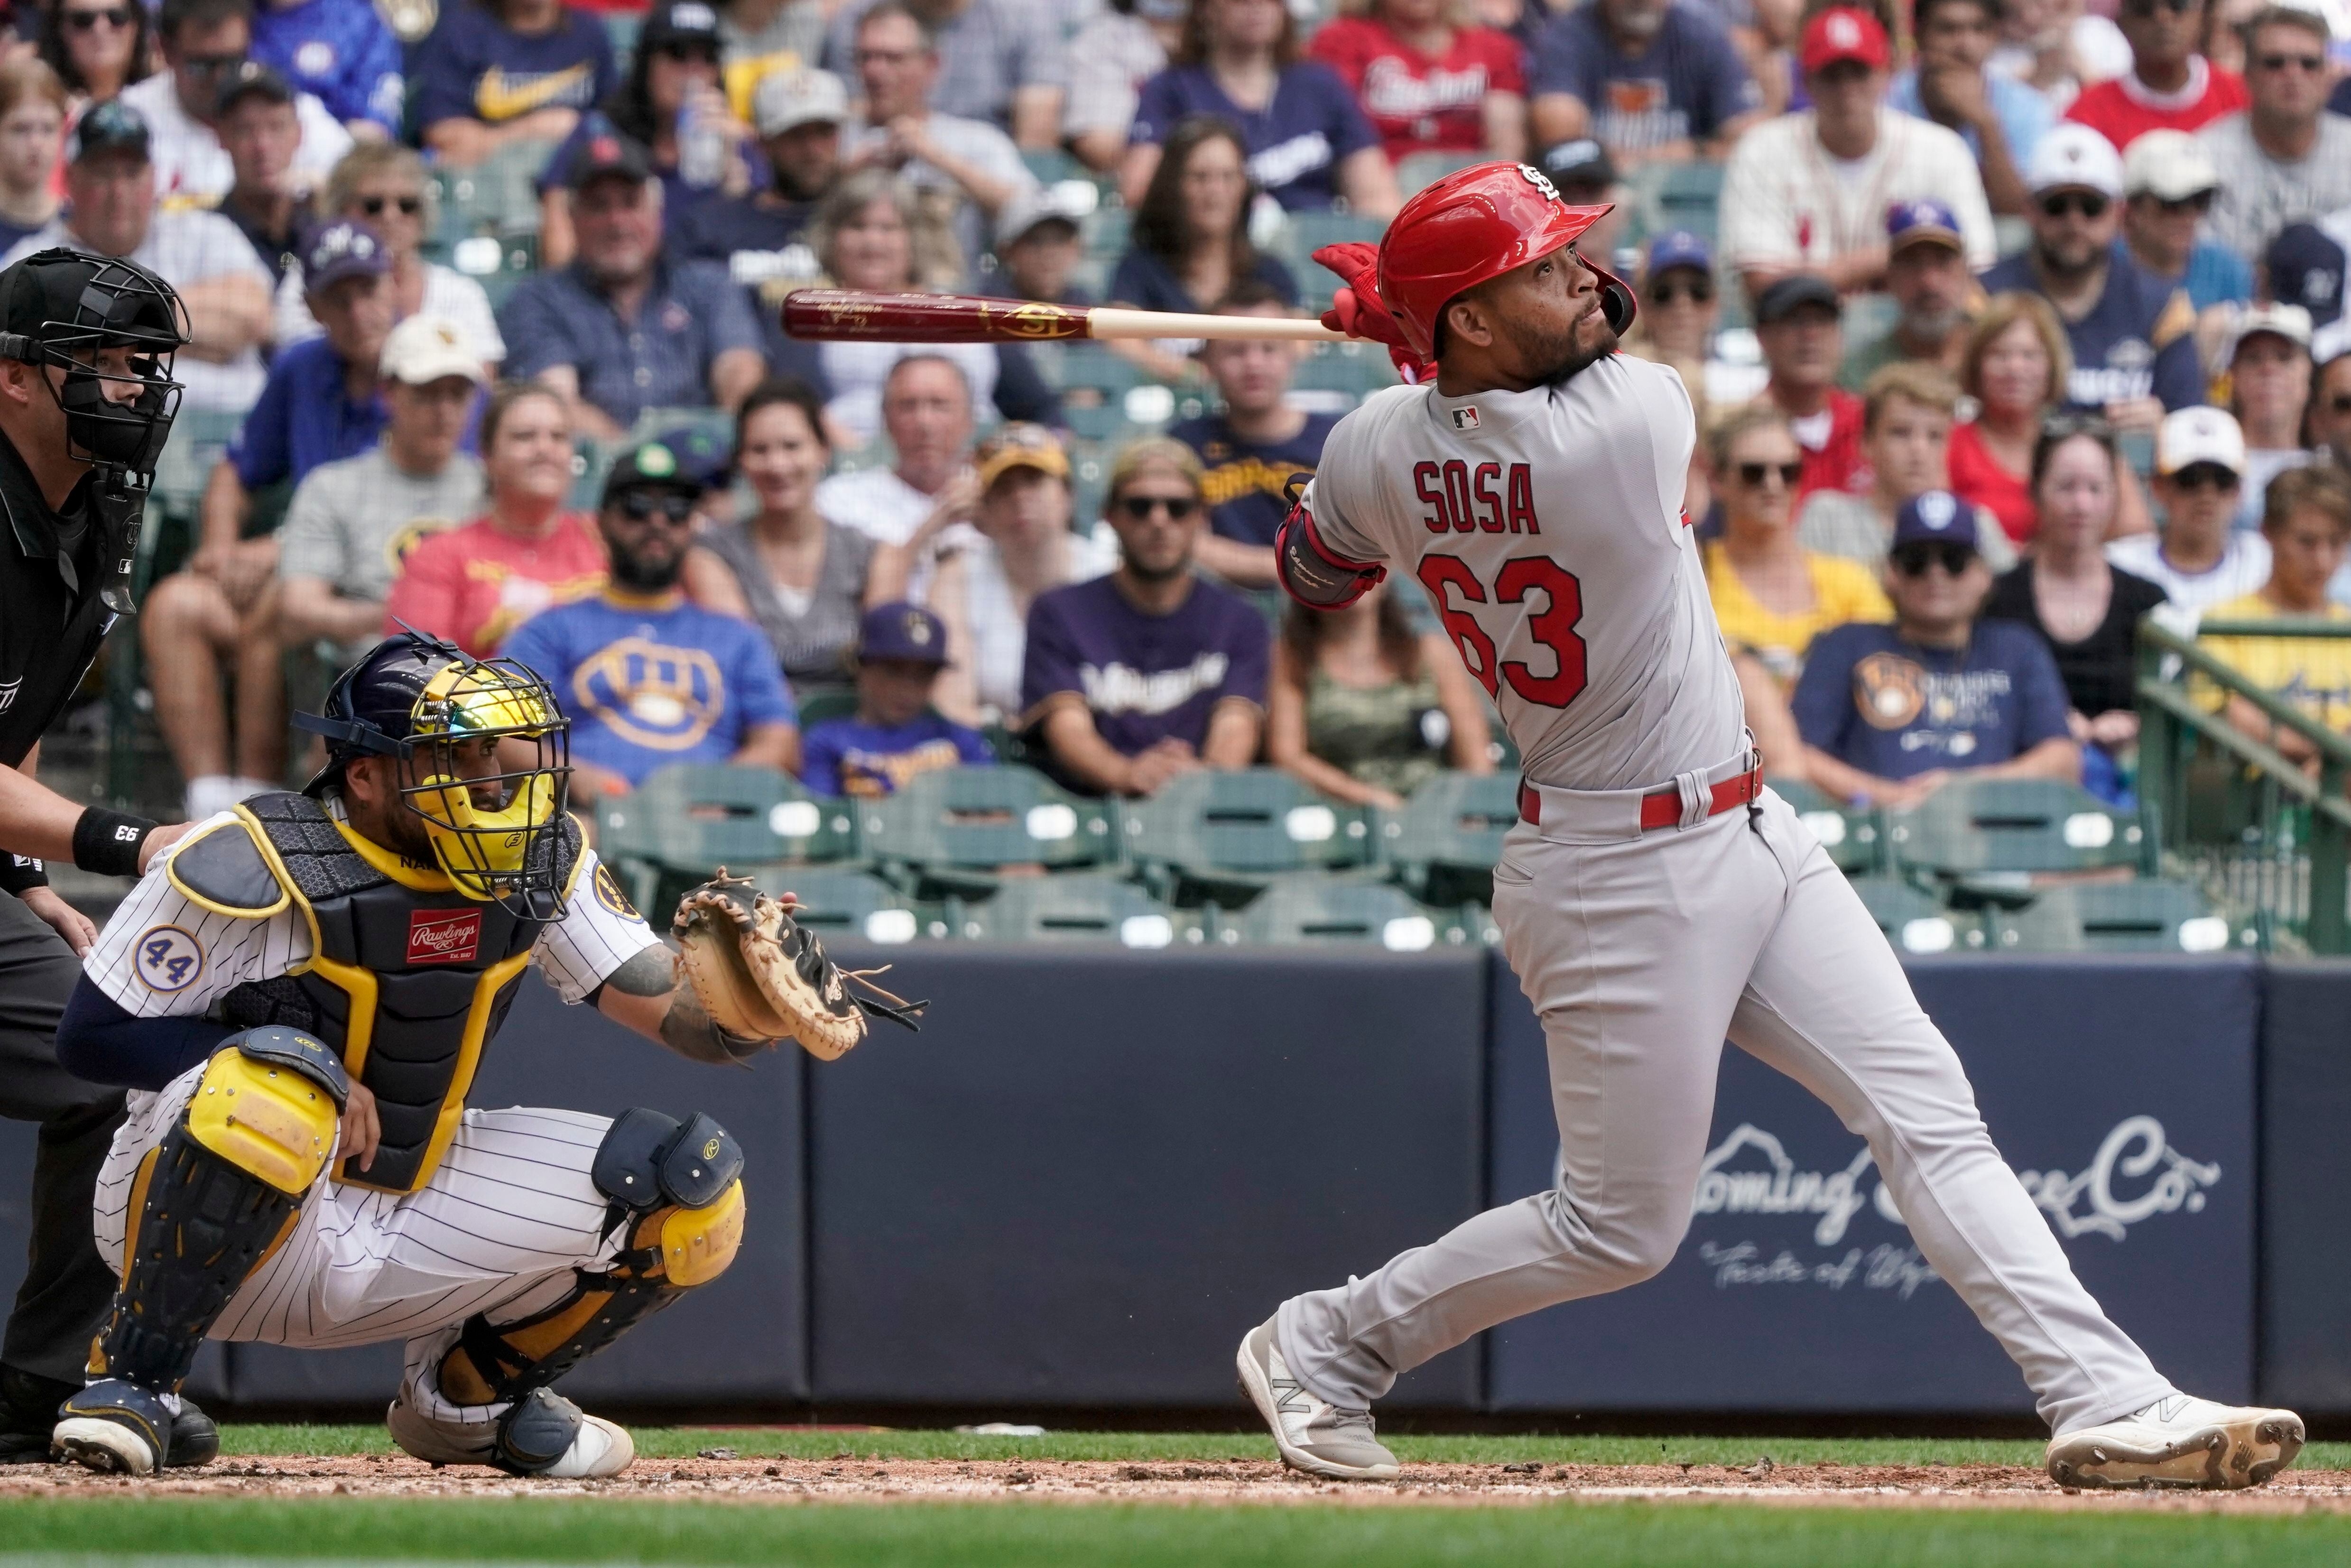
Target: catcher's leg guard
{"type": "Point", "coordinates": [678, 1191]}
{"type": "Point", "coordinates": [210, 1204]}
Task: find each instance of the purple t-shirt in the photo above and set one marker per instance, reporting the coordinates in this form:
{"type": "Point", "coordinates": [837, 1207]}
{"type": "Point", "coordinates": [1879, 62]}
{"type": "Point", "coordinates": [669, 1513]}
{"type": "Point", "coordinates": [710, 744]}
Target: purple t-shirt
{"type": "Point", "coordinates": [1145, 678]}
{"type": "Point", "coordinates": [1295, 143]}
{"type": "Point", "coordinates": [1683, 88]}
{"type": "Point", "coordinates": [851, 757]}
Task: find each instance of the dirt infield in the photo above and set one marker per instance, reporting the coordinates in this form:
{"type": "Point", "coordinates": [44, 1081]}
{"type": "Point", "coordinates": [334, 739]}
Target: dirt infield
{"type": "Point", "coordinates": [719, 1476]}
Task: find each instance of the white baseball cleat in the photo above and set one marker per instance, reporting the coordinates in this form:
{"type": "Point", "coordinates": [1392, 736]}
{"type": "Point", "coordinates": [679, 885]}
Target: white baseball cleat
{"type": "Point", "coordinates": [2179, 1442]}
{"type": "Point", "coordinates": [541, 1434]}
{"type": "Point", "coordinates": [1322, 1439]}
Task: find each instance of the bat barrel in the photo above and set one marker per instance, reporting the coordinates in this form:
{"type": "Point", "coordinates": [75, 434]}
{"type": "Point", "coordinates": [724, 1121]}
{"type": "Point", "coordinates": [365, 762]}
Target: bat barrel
{"type": "Point", "coordinates": [832, 314]}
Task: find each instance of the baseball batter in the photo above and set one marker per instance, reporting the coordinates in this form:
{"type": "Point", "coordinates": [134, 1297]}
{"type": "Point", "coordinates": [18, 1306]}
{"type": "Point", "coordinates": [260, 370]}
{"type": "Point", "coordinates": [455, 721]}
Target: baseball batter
{"type": "Point", "coordinates": [1655, 898]}
{"type": "Point", "coordinates": [298, 997]}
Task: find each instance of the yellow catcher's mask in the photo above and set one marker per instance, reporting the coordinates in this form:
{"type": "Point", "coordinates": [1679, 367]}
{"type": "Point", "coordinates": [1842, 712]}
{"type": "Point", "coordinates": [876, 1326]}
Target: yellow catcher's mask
{"type": "Point", "coordinates": [488, 773]}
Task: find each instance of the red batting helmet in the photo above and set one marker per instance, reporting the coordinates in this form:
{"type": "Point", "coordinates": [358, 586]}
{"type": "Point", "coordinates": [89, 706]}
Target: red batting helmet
{"type": "Point", "coordinates": [1474, 224]}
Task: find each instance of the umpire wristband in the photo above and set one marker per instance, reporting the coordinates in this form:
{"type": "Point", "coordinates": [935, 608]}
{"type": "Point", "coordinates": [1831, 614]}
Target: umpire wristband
{"type": "Point", "coordinates": [19, 874]}
{"type": "Point", "coordinates": [108, 842]}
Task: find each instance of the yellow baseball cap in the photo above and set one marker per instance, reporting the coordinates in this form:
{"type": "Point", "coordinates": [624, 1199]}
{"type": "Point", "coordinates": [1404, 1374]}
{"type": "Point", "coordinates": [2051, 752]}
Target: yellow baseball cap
{"type": "Point", "coordinates": [1020, 445]}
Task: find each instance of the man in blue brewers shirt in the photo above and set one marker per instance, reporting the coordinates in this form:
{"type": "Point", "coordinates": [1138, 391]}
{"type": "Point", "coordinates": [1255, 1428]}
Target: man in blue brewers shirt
{"type": "Point", "coordinates": [1889, 713]}
{"type": "Point", "coordinates": [2133, 335]}
{"type": "Point", "coordinates": [896, 734]}
{"type": "Point", "coordinates": [341, 52]}
{"type": "Point", "coordinates": [623, 329]}
{"type": "Point", "coordinates": [648, 679]}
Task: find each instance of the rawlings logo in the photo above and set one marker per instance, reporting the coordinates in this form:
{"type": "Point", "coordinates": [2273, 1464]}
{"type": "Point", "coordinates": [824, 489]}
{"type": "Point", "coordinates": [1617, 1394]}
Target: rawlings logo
{"type": "Point", "coordinates": [438, 937]}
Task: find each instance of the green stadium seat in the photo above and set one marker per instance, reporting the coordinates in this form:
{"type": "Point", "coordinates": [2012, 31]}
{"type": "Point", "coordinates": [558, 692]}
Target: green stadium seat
{"type": "Point", "coordinates": [1446, 840]}
{"type": "Point", "coordinates": [1107, 230]}
{"type": "Point", "coordinates": [1309, 232]}
{"type": "Point", "coordinates": [1424, 169]}
{"type": "Point", "coordinates": [674, 828]}
{"type": "Point", "coordinates": [1219, 837]}
{"type": "Point", "coordinates": [499, 196]}
{"type": "Point", "coordinates": [953, 829]}
{"type": "Point", "coordinates": [1853, 836]}
{"type": "Point", "coordinates": [1311, 907]}
{"type": "Point", "coordinates": [2150, 915]}
{"type": "Point", "coordinates": [1084, 908]}
{"type": "Point", "coordinates": [2018, 826]}
{"type": "Point", "coordinates": [1912, 919]}
{"type": "Point", "coordinates": [840, 901]}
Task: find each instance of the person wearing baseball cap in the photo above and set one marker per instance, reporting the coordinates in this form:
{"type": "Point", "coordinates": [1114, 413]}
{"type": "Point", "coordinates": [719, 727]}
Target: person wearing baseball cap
{"type": "Point", "coordinates": [1808, 191]}
{"type": "Point", "coordinates": [2168, 188]}
{"type": "Point", "coordinates": [1037, 245]}
{"type": "Point", "coordinates": [2309, 265]}
{"type": "Point", "coordinates": [2266, 353]}
{"type": "Point", "coordinates": [1798, 325]}
{"type": "Point", "coordinates": [648, 677]}
{"type": "Point", "coordinates": [896, 733]}
{"type": "Point", "coordinates": [757, 235]}
{"type": "Point", "coordinates": [1678, 301]}
{"type": "Point", "coordinates": [2198, 560]}
{"type": "Point", "coordinates": [1585, 177]}
{"type": "Point", "coordinates": [1927, 276]}
{"type": "Point", "coordinates": [354, 520]}
{"type": "Point", "coordinates": [2132, 334]}
{"type": "Point", "coordinates": [1890, 712]}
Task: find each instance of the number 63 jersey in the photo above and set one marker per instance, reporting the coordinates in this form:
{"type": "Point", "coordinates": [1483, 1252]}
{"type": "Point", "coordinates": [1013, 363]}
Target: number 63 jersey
{"type": "Point", "coordinates": [1547, 528]}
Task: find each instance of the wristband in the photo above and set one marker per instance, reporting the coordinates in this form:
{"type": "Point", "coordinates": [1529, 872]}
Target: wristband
{"type": "Point", "coordinates": [21, 873]}
{"type": "Point", "coordinates": [108, 842]}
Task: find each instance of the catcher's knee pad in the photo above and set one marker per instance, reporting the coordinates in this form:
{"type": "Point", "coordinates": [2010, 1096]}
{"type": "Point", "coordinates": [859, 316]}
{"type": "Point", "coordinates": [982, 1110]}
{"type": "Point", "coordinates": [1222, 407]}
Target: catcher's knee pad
{"type": "Point", "coordinates": [678, 1189]}
{"type": "Point", "coordinates": [217, 1196]}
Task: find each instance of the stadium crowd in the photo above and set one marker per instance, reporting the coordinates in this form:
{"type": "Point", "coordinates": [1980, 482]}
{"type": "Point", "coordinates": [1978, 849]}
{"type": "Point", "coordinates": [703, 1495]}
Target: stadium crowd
{"type": "Point", "coordinates": [2012, 320]}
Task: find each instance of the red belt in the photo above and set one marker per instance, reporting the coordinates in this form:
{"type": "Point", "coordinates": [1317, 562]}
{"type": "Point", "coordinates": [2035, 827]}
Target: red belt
{"type": "Point", "coordinates": [1663, 807]}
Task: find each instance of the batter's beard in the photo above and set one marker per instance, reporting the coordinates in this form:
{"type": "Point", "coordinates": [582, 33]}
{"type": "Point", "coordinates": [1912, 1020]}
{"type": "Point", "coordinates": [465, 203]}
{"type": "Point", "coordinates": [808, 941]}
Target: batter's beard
{"type": "Point", "coordinates": [1574, 355]}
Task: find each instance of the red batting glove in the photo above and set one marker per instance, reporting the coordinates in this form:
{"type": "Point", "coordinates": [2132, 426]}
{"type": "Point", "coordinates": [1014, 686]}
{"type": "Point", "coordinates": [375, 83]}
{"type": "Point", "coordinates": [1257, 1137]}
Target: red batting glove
{"type": "Point", "coordinates": [1358, 310]}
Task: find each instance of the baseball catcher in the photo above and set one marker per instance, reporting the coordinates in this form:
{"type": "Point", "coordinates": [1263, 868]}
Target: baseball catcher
{"type": "Point", "coordinates": [299, 997]}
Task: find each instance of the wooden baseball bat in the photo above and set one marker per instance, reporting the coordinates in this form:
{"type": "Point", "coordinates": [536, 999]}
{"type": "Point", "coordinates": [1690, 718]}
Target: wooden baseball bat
{"type": "Point", "coordinates": [838, 313]}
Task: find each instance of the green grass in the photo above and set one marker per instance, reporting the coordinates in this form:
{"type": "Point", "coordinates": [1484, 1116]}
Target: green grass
{"type": "Point", "coordinates": [1598, 1535]}
{"type": "Point", "coordinates": [681, 1442]}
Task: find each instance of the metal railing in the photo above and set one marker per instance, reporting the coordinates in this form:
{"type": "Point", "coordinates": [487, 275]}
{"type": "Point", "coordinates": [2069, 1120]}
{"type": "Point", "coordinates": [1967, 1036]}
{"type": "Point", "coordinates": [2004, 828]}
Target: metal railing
{"type": "Point", "coordinates": [2267, 839]}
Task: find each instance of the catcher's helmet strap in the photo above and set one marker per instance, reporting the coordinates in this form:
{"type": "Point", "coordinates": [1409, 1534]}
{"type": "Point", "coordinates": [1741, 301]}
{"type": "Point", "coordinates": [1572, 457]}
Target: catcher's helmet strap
{"type": "Point", "coordinates": [357, 734]}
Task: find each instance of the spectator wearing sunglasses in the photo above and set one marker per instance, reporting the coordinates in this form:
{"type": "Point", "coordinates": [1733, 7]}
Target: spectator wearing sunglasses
{"type": "Point", "coordinates": [2198, 560]}
{"type": "Point", "coordinates": [648, 678]}
{"type": "Point", "coordinates": [2306, 518]}
{"type": "Point", "coordinates": [2082, 607]}
{"type": "Point", "coordinates": [382, 185]}
{"type": "Point", "coordinates": [1889, 713]}
{"type": "Point", "coordinates": [2267, 356]}
{"type": "Point", "coordinates": [1152, 671]}
{"type": "Point", "coordinates": [98, 48]}
{"type": "Point", "coordinates": [1934, 295]}
{"type": "Point", "coordinates": [205, 43]}
{"type": "Point", "coordinates": [340, 52]}
{"type": "Point", "coordinates": [896, 734]}
{"type": "Point", "coordinates": [1907, 411]}
{"type": "Point", "coordinates": [2285, 158]}
{"type": "Point", "coordinates": [2132, 334]}
{"type": "Point", "coordinates": [2170, 86]}
{"type": "Point", "coordinates": [1676, 324]}
{"type": "Point", "coordinates": [2168, 185]}
{"type": "Point", "coordinates": [1772, 596]}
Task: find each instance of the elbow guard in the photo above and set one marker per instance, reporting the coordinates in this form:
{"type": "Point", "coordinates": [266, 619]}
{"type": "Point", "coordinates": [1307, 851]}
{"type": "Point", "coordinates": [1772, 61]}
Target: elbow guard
{"type": "Point", "coordinates": [1311, 573]}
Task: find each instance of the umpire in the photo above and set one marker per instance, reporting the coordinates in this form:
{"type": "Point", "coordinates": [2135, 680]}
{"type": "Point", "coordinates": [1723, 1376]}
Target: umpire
{"type": "Point", "coordinates": [86, 401]}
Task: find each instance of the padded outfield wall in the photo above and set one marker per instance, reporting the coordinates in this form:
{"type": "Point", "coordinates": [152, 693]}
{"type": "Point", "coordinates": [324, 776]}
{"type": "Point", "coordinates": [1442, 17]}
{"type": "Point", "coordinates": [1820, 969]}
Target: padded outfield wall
{"type": "Point", "coordinates": [1095, 1169]}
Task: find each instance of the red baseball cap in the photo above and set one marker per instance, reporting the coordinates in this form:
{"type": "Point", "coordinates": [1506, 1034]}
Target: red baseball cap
{"type": "Point", "coordinates": [1843, 32]}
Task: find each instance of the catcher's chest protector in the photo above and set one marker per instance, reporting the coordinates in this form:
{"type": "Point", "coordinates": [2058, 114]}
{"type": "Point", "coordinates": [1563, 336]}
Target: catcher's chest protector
{"type": "Point", "coordinates": [408, 984]}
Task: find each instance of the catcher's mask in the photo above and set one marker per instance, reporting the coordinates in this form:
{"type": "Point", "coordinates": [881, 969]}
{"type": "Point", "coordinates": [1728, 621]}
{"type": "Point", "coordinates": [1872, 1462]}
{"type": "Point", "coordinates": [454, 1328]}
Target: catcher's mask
{"type": "Point", "coordinates": [99, 320]}
{"type": "Point", "coordinates": [484, 760]}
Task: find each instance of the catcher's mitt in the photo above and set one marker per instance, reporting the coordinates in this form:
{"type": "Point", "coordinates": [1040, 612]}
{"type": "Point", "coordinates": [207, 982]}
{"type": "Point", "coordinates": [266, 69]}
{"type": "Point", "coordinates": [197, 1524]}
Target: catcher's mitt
{"type": "Point", "coordinates": [763, 976]}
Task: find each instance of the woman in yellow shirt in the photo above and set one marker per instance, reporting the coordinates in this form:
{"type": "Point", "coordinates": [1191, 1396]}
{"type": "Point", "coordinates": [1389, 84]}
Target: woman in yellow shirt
{"type": "Point", "coordinates": [1772, 596]}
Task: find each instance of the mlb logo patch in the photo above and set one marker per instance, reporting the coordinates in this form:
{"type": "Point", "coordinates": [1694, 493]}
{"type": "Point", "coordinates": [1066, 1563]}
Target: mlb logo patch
{"type": "Point", "coordinates": [444, 936]}
{"type": "Point", "coordinates": [1465, 418]}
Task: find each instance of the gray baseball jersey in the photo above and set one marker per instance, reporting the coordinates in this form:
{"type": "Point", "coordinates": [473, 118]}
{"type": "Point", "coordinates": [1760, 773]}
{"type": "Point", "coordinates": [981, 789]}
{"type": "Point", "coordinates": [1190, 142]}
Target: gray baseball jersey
{"type": "Point", "coordinates": [1547, 527]}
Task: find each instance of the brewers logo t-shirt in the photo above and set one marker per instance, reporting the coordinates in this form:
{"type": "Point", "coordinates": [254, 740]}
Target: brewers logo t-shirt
{"type": "Point", "coordinates": [1295, 143]}
{"type": "Point", "coordinates": [1143, 677]}
{"type": "Point", "coordinates": [648, 683]}
{"type": "Point", "coordinates": [352, 524]}
{"type": "Point", "coordinates": [2137, 341]}
{"type": "Point", "coordinates": [865, 761]}
{"type": "Point", "coordinates": [473, 68]}
{"type": "Point", "coordinates": [1683, 86]}
{"type": "Point", "coordinates": [1892, 708]}
{"type": "Point", "coordinates": [1245, 480]}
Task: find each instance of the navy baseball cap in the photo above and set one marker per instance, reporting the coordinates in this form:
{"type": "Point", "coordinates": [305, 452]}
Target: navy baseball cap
{"type": "Point", "coordinates": [606, 152]}
{"type": "Point", "coordinates": [342, 249]}
{"type": "Point", "coordinates": [1583, 162]}
{"type": "Point", "coordinates": [2307, 266]}
{"type": "Point", "coordinates": [1919, 223]}
{"type": "Point", "coordinates": [112, 126]}
{"type": "Point", "coordinates": [676, 22]}
{"type": "Point", "coordinates": [906, 632]}
{"type": "Point", "coordinates": [1935, 516]}
{"type": "Point", "coordinates": [1678, 247]}
{"type": "Point", "coordinates": [253, 80]}
{"type": "Point", "coordinates": [1790, 295]}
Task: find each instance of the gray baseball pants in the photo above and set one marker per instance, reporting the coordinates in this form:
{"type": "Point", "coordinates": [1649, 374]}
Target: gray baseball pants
{"type": "Point", "coordinates": [1642, 953]}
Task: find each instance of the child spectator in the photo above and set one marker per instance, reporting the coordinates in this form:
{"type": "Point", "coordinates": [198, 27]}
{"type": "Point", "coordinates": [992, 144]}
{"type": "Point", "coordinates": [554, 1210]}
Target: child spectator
{"type": "Point", "coordinates": [2198, 560]}
{"type": "Point", "coordinates": [1307, 142]}
{"type": "Point", "coordinates": [2168, 186]}
{"type": "Point", "coordinates": [2267, 356]}
{"type": "Point", "coordinates": [1906, 446]}
{"type": "Point", "coordinates": [1427, 85]}
{"type": "Point", "coordinates": [1038, 245]}
{"type": "Point", "coordinates": [2307, 522]}
{"type": "Point", "coordinates": [648, 678]}
{"type": "Point", "coordinates": [896, 733]}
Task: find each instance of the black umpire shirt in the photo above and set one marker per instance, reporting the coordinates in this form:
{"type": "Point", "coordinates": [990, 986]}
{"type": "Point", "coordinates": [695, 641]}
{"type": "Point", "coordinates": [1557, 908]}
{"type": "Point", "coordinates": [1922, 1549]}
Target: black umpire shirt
{"type": "Point", "coordinates": [51, 622]}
